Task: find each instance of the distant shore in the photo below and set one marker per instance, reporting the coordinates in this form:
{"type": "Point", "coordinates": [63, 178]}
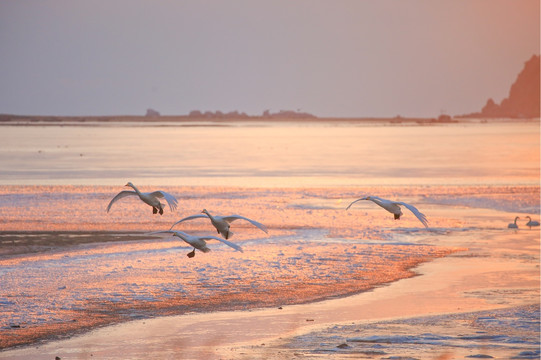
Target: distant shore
{"type": "Point", "coordinates": [24, 120]}
{"type": "Point", "coordinates": [6, 119]}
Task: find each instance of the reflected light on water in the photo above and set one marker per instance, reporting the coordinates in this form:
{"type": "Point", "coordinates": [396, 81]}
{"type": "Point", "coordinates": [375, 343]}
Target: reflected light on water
{"type": "Point", "coordinates": [271, 155]}
{"type": "Point", "coordinates": [100, 284]}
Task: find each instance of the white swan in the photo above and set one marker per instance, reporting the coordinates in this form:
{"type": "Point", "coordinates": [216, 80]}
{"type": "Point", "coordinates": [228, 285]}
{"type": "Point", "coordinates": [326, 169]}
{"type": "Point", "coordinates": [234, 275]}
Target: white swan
{"type": "Point", "coordinates": [198, 242]}
{"type": "Point", "coordinates": [222, 223]}
{"type": "Point", "coordinates": [532, 222]}
{"type": "Point", "coordinates": [394, 208]}
{"type": "Point", "coordinates": [148, 198]}
{"type": "Point", "coordinates": [513, 225]}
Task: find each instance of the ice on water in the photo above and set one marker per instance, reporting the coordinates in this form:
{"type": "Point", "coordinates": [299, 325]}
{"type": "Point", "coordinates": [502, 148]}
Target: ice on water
{"type": "Point", "coordinates": [66, 264]}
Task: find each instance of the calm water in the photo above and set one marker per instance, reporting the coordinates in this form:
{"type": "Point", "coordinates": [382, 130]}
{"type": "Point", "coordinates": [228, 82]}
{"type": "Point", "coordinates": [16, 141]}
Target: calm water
{"type": "Point", "coordinates": [58, 239]}
{"type": "Point", "coordinates": [270, 155]}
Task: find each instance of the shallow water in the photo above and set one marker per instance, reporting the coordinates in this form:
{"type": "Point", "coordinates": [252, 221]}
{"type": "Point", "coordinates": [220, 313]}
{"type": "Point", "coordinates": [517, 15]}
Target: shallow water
{"type": "Point", "coordinates": [97, 268]}
{"type": "Point", "coordinates": [511, 333]}
{"type": "Point", "coordinates": [270, 155]}
{"type": "Point", "coordinates": [314, 250]}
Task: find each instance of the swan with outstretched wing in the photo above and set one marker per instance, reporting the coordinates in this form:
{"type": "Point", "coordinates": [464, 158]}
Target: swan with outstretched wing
{"type": "Point", "coordinates": [198, 242]}
{"type": "Point", "coordinates": [222, 223]}
{"type": "Point", "coordinates": [394, 208]}
{"type": "Point", "coordinates": [150, 198]}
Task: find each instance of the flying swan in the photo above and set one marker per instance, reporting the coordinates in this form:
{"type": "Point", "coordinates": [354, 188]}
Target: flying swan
{"type": "Point", "coordinates": [148, 198]}
{"type": "Point", "coordinates": [531, 222]}
{"type": "Point", "coordinates": [513, 225]}
{"type": "Point", "coordinates": [198, 242]}
{"type": "Point", "coordinates": [394, 208]}
{"type": "Point", "coordinates": [222, 223]}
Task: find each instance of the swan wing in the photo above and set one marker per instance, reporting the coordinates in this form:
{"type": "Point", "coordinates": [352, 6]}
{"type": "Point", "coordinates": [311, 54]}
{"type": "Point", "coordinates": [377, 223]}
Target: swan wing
{"type": "Point", "coordinates": [161, 232]}
{"type": "Point", "coordinates": [372, 197]}
{"type": "Point", "coordinates": [180, 234]}
{"type": "Point", "coordinates": [171, 200]}
{"type": "Point", "coordinates": [233, 245]}
{"type": "Point", "coordinates": [364, 198]}
{"type": "Point", "coordinates": [119, 196]}
{"type": "Point", "coordinates": [416, 212]}
{"type": "Point", "coordinates": [189, 218]}
{"type": "Point", "coordinates": [232, 218]}
{"type": "Point", "coordinates": [174, 232]}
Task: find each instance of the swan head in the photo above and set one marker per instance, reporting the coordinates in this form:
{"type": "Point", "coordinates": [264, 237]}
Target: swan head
{"type": "Point", "coordinates": [204, 211]}
{"type": "Point", "coordinates": [179, 234]}
{"type": "Point", "coordinates": [529, 218]}
{"type": "Point", "coordinates": [130, 184]}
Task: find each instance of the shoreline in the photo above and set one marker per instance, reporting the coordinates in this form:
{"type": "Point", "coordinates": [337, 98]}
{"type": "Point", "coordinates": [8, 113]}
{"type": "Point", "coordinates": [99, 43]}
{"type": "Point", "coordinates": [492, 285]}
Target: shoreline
{"type": "Point", "coordinates": [186, 120]}
{"type": "Point", "coordinates": [112, 306]}
{"type": "Point", "coordinates": [456, 284]}
{"type": "Point", "coordinates": [500, 270]}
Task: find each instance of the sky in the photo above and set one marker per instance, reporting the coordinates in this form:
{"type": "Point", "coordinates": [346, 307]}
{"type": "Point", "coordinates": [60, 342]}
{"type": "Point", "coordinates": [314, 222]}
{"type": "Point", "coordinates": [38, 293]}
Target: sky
{"type": "Point", "coordinates": [357, 58]}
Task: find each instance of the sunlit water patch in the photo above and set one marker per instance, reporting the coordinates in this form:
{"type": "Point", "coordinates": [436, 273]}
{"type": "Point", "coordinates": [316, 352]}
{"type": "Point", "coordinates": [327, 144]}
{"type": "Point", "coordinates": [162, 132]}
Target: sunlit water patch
{"type": "Point", "coordinates": [500, 334]}
{"type": "Point", "coordinates": [83, 286]}
{"type": "Point", "coordinates": [66, 264]}
{"type": "Point", "coordinates": [279, 154]}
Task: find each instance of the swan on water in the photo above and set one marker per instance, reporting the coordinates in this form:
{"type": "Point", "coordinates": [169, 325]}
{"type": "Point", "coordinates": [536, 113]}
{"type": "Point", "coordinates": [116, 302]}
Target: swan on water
{"type": "Point", "coordinates": [531, 222]}
{"type": "Point", "coordinates": [150, 198]}
{"type": "Point", "coordinates": [198, 242]}
{"type": "Point", "coordinates": [513, 225]}
{"type": "Point", "coordinates": [222, 223]}
{"type": "Point", "coordinates": [394, 207]}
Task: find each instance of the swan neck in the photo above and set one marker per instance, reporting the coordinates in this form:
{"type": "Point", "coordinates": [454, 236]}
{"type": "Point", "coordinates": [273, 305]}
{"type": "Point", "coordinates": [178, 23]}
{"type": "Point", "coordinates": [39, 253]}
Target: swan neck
{"type": "Point", "coordinates": [210, 216]}
{"type": "Point", "coordinates": [135, 188]}
{"type": "Point", "coordinates": [376, 201]}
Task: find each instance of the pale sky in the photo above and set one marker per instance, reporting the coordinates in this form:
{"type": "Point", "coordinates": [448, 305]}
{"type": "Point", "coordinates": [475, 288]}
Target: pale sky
{"type": "Point", "coordinates": [330, 58]}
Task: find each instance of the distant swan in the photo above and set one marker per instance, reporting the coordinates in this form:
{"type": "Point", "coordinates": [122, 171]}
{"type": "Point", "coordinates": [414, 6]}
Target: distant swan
{"type": "Point", "coordinates": [148, 198]}
{"type": "Point", "coordinates": [198, 242]}
{"type": "Point", "coordinates": [394, 208]}
{"type": "Point", "coordinates": [513, 225]}
{"type": "Point", "coordinates": [531, 222]}
{"type": "Point", "coordinates": [222, 223]}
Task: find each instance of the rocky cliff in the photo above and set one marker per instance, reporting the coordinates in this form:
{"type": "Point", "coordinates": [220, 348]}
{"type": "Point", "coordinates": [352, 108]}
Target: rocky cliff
{"type": "Point", "coordinates": [524, 96]}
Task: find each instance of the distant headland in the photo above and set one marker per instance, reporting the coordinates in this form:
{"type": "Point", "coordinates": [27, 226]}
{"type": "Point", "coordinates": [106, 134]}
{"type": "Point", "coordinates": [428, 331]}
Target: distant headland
{"type": "Point", "coordinates": [523, 101]}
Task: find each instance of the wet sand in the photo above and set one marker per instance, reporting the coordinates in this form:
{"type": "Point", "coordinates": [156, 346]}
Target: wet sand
{"type": "Point", "coordinates": [486, 278]}
{"type": "Point", "coordinates": [64, 258]}
{"type": "Point", "coordinates": [90, 285]}
{"type": "Point", "coordinates": [499, 271]}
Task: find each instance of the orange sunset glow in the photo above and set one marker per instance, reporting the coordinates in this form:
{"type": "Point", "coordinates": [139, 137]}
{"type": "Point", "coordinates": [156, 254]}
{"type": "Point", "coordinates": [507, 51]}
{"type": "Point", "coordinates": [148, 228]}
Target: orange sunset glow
{"type": "Point", "coordinates": [270, 180]}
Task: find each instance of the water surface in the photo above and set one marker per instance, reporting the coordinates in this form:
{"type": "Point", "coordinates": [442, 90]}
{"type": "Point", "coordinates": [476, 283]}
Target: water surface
{"type": "Point", "coordinates": [270, 155]}
{"type": "Point", "coordinates": [56, 238]}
